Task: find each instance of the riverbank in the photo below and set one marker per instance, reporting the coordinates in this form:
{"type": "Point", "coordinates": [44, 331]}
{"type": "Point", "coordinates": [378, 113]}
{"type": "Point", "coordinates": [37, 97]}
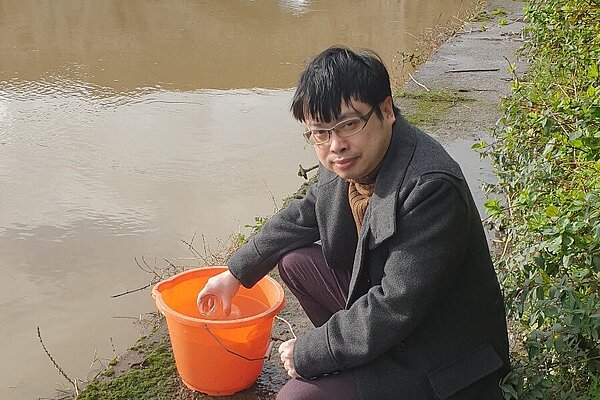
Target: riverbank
{"type": "Point", "coordinates": [455, 96]}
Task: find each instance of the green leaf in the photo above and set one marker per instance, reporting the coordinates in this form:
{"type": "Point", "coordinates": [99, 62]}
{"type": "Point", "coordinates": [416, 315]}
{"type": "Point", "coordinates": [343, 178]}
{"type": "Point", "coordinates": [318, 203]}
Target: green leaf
{"type": "Point", "coordinates": [552, 211]}
{"type": "Point", "coordinates": [593, 71]}
{"type": "Point", "coordinates": [479, 145]}
{"type": "Point", "coordinates": [591, 91]}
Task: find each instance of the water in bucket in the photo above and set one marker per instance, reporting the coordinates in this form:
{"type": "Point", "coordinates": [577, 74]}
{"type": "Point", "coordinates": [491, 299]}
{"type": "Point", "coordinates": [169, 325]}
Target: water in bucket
{"type": "Point", "coordinates": [218, 356]}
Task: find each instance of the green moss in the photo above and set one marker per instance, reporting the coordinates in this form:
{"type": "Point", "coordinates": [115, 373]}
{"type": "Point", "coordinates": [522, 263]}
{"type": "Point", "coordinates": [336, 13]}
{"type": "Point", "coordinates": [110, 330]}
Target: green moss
{"type": "Point", "coordinates": [499, 11]}
{"type": "Point", "coordinates": [301, 192]}
{"type": "Point", "coordinates": [485, 16]}
{"type": "Point", "coordinates": [156, 380]}
{"type": "Point", "coordinates": [427, 107]}
{"type": "Point", "coordinates": [447, 96]}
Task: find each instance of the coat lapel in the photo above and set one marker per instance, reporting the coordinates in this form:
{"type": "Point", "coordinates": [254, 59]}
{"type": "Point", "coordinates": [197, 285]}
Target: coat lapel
{"type": "Point", "coordinates": [335, 220]}
{"type": "Point", "coordinates": [381, 215]}
{"type": "Point", "coordinates": [380, 219]}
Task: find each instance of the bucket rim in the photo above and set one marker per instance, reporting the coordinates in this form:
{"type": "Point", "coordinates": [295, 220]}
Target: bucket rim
{"type": "Point", "coordinates": [194, 321]}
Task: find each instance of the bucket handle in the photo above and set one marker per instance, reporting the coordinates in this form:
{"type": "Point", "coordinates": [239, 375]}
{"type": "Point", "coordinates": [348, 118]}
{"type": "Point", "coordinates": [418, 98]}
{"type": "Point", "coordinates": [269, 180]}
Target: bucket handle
{"type": "Point", "coordinates": [265, 357]}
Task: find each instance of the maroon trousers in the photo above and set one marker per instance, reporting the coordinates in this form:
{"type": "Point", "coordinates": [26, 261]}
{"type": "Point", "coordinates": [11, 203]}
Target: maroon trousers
{"type": "Point", "coordinates": [321, 293]}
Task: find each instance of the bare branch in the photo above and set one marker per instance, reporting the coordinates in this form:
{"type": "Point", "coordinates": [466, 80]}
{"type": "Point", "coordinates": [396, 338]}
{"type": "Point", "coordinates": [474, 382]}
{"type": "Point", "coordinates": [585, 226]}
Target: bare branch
{"type": "Point", "coordinates": [62, 372]}
{"type": "Point", "coordinates": [113, 347]}
{"type": "Point", "coordinates": [132, 291]}
{"type": "Point", "coordinates": [275, 206]}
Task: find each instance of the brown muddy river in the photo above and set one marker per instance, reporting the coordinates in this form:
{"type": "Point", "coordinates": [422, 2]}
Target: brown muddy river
{"type": "Point", "coordinates": [126, 127]}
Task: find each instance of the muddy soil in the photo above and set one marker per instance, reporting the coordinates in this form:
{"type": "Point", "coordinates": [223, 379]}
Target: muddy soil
{"type": "Point", "coordinates": [472, 68]}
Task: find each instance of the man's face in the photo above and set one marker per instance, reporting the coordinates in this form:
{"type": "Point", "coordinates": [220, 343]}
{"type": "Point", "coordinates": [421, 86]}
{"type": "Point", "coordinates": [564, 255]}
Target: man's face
{"type": "Point", "coordinates": [356, 156]}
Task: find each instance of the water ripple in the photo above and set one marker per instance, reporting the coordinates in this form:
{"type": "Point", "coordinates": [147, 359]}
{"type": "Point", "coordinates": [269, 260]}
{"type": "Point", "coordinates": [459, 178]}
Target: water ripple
{"type": "Point", "coordinates": [58, 87]}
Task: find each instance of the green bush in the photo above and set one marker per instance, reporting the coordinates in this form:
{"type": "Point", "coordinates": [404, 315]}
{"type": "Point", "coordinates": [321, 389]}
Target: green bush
{"type": "Point", "coordinates": [546, 157]}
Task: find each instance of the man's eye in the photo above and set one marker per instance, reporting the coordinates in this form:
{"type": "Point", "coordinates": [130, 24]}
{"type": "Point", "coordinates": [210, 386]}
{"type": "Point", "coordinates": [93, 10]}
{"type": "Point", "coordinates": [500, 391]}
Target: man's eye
{"type": "Point", "coordinates": [349, 125]}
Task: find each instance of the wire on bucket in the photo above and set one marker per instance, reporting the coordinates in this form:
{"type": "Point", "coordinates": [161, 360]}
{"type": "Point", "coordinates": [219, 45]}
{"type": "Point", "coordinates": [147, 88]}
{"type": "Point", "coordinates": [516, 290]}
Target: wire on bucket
{"type": "Point", "coordinates": [288, 324]}
{"type": "Point", "coordinates": [266, 357]}
{"type": "Point", "coordinates": [231, 351]}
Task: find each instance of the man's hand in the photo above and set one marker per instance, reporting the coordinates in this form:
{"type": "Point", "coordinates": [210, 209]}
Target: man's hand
{"type": "Point", "coordinates": [286, 352]}
{"type": "Point", "coordinates": [224, 286]}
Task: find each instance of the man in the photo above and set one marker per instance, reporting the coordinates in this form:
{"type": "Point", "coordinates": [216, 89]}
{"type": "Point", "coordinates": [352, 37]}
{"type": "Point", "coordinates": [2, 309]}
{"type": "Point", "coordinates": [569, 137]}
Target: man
{"type": "Point", "coordinates": [401, 289]}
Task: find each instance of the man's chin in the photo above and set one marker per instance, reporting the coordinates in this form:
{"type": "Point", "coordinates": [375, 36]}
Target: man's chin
{"type": "Point", "coordinates": [346, 175]}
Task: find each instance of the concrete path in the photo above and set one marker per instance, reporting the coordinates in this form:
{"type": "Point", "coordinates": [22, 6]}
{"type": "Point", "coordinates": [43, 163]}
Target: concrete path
{"type": "Point", "coordinates": [455, 96]}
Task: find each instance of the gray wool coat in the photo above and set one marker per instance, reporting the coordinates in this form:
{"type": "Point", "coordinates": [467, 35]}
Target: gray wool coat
{"type": "Point", "coordinates": [425, 316]}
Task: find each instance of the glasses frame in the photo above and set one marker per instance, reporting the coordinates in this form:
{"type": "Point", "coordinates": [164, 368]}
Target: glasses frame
{"type": "Point", "coordinates": [365, 118]}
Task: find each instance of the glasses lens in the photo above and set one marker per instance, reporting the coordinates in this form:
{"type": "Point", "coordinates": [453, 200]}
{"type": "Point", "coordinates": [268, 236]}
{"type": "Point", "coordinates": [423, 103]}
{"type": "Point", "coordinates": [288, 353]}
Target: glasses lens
{"type": "Point", "coordinates": [308, 137]}
{"type": "Point", "coordinates": [350, 127]}
{"type": "Point", "coordinates": [317, 136]}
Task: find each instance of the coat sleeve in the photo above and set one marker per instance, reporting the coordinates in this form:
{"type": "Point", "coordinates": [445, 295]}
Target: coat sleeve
{"type": "Point", "coordinates": [293, 227]}
{"type": "Point", "coordinates": [425, 254]}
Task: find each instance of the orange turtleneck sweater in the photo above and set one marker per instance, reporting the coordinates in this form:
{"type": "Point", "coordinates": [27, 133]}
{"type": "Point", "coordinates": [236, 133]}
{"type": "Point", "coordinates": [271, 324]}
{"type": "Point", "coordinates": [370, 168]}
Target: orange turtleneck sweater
{"type": "Point", "coordinates": [359, 194]}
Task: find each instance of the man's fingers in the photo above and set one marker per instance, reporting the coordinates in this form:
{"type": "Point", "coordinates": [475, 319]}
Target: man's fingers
{"type": "Point", "coordinates": [226, 305]}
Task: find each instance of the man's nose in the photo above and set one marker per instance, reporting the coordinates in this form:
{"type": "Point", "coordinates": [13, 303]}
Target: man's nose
{"type": "Point", "coordinates": [337, 144]}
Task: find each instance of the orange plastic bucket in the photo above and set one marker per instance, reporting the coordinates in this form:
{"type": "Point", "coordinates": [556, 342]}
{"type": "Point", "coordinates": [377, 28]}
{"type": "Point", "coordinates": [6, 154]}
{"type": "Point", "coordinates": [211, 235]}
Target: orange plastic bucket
{"type": "Point", "coordinates": [218, 357]}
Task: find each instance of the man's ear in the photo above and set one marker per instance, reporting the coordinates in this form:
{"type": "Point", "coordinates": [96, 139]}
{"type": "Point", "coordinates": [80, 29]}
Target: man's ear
{"type": "Point", "coordinates": [387, 109]}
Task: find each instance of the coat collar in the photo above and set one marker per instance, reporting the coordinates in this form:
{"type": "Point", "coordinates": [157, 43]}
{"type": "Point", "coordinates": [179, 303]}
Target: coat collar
{"type": "Point", "coordinates": [380, 218]}
{"type": "Point", "coordinates": [381, 215]}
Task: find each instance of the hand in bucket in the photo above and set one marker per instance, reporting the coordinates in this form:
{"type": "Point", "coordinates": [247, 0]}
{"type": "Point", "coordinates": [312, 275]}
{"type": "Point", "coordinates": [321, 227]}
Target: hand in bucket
{"type": "Point", "coordinates": [214, 300]}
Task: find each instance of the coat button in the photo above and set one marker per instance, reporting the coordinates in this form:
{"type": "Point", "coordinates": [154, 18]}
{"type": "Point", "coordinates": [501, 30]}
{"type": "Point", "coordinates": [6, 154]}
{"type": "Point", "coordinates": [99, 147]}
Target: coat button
{"type": "Point", "coordinates": [401, 346]}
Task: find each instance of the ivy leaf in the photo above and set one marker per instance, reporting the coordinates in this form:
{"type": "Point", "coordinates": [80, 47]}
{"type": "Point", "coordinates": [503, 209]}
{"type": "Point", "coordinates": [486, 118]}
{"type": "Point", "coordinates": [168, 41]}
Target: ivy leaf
{"type": "Point", "coordinates": [479, 145]}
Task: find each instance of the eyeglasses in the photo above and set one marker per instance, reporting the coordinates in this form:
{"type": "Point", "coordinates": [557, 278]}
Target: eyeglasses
{"type": "Point", "coordinates": [343, 129]}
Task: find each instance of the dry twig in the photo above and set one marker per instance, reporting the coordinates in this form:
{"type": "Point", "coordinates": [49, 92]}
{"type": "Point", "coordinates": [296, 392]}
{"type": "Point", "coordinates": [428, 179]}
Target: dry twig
{"type": "Point", "coordinates": [132, 291]}
{"type": "Point", "coordinates": [62, 372]}
{"type": "Point", "coordinates": [420, 84]}
{"type": "Point", "coordinates": [112, 344]}
{"type": "Point", "coordinates": [275, 206]}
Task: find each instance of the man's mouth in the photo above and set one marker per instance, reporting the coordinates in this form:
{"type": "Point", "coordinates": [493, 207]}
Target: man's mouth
{"type": "Point", "coordinates": [343, 163]}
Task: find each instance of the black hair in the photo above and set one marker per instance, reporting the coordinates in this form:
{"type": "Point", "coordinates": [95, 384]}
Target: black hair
{"type": "Point", "coordinates": [338, 75]}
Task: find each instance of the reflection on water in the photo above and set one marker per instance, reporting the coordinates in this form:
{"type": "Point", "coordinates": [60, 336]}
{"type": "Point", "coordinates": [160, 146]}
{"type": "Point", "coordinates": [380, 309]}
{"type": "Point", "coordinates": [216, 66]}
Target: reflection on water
{"type": "Point", "coordinates": [190, 44]}
{"type": "Point", "coordinates": [112, 147]}
{"type": "Point", "coordinates": [294, 7]}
